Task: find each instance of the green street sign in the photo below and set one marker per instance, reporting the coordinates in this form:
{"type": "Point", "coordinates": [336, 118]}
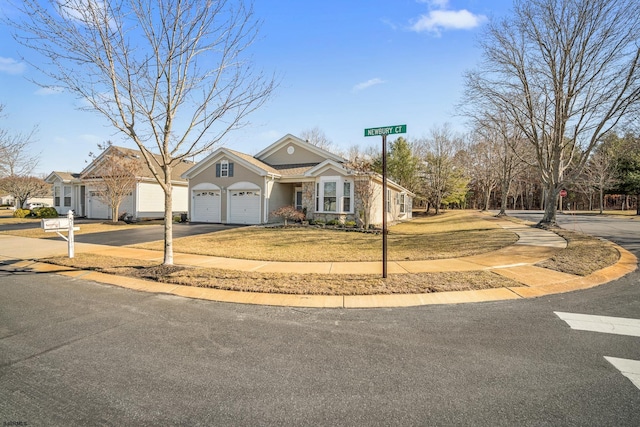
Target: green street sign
{"type": "Point", "coordinates": [385, 130]}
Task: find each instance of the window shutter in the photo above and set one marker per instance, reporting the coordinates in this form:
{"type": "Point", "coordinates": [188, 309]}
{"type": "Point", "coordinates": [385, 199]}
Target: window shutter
{"type": "Point", "coordinates": [230, 169]}
{"type": "Point", "coordinates": [217, 170]}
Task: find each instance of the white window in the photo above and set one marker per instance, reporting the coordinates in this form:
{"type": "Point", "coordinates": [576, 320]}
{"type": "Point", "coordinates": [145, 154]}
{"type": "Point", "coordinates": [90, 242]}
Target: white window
{"type": "Point", "coordinates": [388, 200]}
{"type": "Point", "coordinates": [224, 168]}
{"type": "Point", "coordinates": [401, 200]}
{"type": "Point", "coordinates": [334, 195]}
{"type": "Point", "coordinates": [346, 197]}
{"type": "Point", "coordinates": [56, 196]}
{"type": "Point", "coordinates": [67, 196]}
{"type": "Point", "coordinates": [329, 197]}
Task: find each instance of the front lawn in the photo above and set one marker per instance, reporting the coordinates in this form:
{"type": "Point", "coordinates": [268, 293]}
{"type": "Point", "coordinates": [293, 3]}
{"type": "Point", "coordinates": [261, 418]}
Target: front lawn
{"type": "Point", "coordinates": [450, 235]}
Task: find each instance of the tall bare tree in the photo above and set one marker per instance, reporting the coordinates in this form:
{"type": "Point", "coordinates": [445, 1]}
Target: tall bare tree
{"type": "Point", "coordinates": [171, 75]}
{"type": "Point", "coordinates": [565, 72]}
{"type": "Point", "coordinates": [115, 173]}
{"type": "Point", "coordinates": [16, 156]}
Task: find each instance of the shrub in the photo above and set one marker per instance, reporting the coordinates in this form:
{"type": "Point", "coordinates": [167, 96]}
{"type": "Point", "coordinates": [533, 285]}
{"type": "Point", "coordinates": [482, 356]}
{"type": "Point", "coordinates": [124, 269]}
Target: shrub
{"type": "Point", "coordinates": [350, 224]}
{"type": "Point", "coordinates": [333, 222]}
{"type": "Point", "coordinates": [288, 213]}
{"type": "Point", "coordinates": [46, 212]}
{"type": "Point", "coordinates": [21, 213]}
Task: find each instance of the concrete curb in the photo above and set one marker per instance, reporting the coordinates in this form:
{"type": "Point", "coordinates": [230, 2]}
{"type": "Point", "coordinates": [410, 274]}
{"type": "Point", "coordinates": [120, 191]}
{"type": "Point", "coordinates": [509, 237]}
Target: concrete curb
{"type": "Point", "coordinates": [625, 265]}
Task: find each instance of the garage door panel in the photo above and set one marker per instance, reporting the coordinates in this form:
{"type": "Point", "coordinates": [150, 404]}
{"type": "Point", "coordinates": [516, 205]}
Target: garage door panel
{"type": "Point", "coordinates": [244, 207]}
{"type": "Point", "coordinates": [98, 209]}
{"type": "Point", "coordinates": [206, 206]}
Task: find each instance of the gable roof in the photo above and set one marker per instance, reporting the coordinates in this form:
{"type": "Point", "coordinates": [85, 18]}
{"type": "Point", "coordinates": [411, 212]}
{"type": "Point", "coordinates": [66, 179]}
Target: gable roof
{"type": "Point", "coordinates": [289, 139]}
{"type": "Point", "coordinates": [246, 160]}
{"type": "Point", "coordinates": [65, 177]}
{"type": "Point", "coordinates": [144, 170]}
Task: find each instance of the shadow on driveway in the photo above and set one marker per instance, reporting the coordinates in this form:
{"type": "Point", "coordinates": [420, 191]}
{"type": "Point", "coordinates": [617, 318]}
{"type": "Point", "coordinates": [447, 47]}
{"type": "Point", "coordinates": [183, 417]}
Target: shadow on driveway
{"type": "Point", "coordinates": [148, 233]}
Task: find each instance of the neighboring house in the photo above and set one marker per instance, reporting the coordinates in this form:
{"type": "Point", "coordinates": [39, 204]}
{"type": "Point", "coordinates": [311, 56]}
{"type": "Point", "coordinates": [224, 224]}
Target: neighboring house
{"type": "Point", "coordinates": [236, 188]}
{"type": "Point", "coordinates": [80, 192]}
{"type": "Point", "coordinates": [6, 200]}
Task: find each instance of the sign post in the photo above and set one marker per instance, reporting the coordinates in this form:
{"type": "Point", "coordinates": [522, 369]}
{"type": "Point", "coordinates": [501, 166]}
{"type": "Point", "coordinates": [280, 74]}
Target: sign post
{"type": "Point", "coordinates": [384, 131]}
{"type": "Point", "coordinates": [56, 225]}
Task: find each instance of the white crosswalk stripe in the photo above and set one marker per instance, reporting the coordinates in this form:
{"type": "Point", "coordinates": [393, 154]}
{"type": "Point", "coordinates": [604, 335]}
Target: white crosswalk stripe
{"type": "Point", "coordinates": [629, 368]}
{"type": "Point", "coordinates": [605, 324]}
{"type": "Point", "coordinates": [609, 325]}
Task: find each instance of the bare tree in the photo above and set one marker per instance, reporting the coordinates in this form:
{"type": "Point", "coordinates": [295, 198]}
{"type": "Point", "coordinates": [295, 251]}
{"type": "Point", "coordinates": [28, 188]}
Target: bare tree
{"type": "Point", "coordinates": [16, 159]}
{"type": "Point", "coordinates": [600, 172]}
{"type": "Point", "coordinates": [171, 75]}
{"type": "Point", "coordinates": [508, 148]}
{"type": "Point", "coordinates": [484, 167]}
{"type": "Point", "coordinates": [317, 137]}
{"type": "Point", "coordinates": [441, 176]}
{"type": "Point", "coordinates": [564, 72]}
{"type": "Point", "coordinates": [365, 190]}
{"type": "Point", "coordinates": [115, 173]}
{"type": "Point", "coordinates": [22, 188]}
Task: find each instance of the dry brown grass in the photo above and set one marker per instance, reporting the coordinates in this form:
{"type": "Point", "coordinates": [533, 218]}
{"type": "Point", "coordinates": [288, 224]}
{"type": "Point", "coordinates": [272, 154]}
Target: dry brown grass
{"type": "Point", "coordinates": [453, 234]}
{"type": "Point", "coordinates": [301, 284]}
{"type": "Point", "coordinates": [584, 254]}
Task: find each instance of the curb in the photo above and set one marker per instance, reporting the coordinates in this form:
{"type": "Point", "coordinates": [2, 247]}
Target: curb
{"type": "Point", "coordinates": [626, 264]}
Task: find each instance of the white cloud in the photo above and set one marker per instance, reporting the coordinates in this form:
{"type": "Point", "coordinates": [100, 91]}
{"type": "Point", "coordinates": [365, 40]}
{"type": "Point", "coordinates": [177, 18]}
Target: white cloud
{"type": "Point", "coordinates": [11, 66]}
{"type": "Point", "coordinates": [440, 18]}
{"type": "Point", "coordinates": [367, 84]}
{"type": "Point", "coordinates": [51, 90]}
{"type": "Point", "coordinates": [438, 4]}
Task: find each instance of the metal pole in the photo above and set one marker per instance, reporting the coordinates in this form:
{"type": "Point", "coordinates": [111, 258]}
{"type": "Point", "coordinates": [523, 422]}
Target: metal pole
{"type": "Point", "coordinates": [384, 206]}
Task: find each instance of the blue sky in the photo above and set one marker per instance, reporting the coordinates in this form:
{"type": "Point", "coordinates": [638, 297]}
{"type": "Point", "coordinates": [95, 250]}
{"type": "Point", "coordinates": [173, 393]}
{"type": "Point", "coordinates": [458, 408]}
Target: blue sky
{"type": "Point", "coordinates": [344, 65]}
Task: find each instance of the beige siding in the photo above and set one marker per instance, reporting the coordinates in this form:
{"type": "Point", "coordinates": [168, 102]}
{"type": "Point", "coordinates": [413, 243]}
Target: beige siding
{"type": "Point", "coordinates": [281, 195]}
{"type": "Point", "coordinates": [299, 155]}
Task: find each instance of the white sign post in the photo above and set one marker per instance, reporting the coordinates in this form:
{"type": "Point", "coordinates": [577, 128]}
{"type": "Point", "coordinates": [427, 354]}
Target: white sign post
{"type": "Point", "coordinates": [70, 239]}
{"type": "Point", "coordinates": [56, 225]}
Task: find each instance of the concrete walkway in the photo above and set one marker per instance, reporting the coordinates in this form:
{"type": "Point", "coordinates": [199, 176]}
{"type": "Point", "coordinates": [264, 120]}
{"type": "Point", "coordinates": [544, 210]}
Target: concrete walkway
{"type": "Point", "coordinates": [515, 262]}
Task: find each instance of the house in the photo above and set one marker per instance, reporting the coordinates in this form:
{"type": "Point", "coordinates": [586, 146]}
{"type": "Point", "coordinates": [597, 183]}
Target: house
{"type": "Point", "coordinates": [81, 192]}
{"type": "Point", "coordinates": [236, 188]}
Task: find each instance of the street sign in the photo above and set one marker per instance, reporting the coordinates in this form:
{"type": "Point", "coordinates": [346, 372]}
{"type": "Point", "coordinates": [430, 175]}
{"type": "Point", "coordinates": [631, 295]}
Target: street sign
{"type": "Point", "coordinates": [563, 193]}
{"type": "Point", "coordinates": [385, 130]}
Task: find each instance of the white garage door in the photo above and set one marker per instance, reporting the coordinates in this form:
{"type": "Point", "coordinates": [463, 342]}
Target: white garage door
{"type": "Point", "coordinates": [206, 206]}
{"type": "Point", "coordinates": [97, 209]}
{"type": "Point", "coordinates": [244, 206]}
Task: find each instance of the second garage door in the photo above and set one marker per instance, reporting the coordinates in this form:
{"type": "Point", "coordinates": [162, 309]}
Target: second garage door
{"type": "Point", "coordinates": [244, 206]}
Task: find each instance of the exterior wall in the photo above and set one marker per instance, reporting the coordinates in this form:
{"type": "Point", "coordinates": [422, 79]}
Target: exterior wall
{"type": "Point", "coordinates": [240, 174]}
{"type": "Point", "coordinates": [281, 195]}
{"type": "Point", "coordinates": [299, 156]}
{"type": "Point", "coordinates": [150, 200]}
{"type": "Point", "coordinates": [64, 206]}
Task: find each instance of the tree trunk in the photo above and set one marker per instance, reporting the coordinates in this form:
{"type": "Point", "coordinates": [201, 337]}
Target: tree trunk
{"type": "Point", "coordinates": [601, 200]}
{"type": "Point", "coordinates": [168, 218]}
{"type": "Point", "coordinates": [551, 199]}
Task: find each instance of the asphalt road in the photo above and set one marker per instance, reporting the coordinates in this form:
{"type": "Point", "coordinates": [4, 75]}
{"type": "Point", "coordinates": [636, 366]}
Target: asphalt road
{"type": "Point", "coordinates": [73, 352]}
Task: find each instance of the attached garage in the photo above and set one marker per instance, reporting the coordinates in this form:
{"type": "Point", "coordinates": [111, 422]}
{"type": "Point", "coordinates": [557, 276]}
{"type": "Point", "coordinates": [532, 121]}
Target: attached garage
{"type": "Point", "coordinates": [244, 203]}
{"type": "Point", "coordinates": [206, 204]}
{"type": "Point", "coordinates": [97, 209]}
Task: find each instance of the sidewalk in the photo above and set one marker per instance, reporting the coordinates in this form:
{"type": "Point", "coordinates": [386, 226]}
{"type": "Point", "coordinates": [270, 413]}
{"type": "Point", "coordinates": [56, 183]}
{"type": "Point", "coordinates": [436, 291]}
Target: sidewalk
{"type": "Point", "coordinates": [515, 262]}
